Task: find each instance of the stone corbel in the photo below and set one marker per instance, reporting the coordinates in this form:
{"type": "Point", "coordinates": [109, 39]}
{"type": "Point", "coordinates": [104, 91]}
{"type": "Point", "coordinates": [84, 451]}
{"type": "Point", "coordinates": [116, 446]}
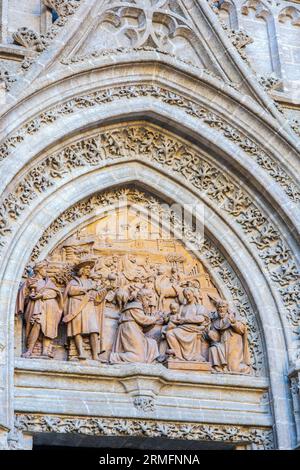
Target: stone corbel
{"type": "Point", "coordinates": [143, 391]}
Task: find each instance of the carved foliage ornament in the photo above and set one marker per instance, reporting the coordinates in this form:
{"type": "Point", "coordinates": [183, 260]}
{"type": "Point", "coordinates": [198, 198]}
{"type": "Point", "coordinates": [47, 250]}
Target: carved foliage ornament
{"type": "Point", "coordinates": [211, 254]}
{"type": "Point", "coordinates": [262, 438]}
{"type": "Point", "coordinates": [211, 119]}
{"type": "Point", "coordinates": [62, 7]}
{"type": "Point", "coordinates": [28, 38]}
{"type": "Point", "coordinates": [270, 82]}
{"type": "Point", "coordinates": [6, 76]}
{"type": "Point", "coordinates": [240, 39]}
{"type": "Point", "coordinates": [149, 143]}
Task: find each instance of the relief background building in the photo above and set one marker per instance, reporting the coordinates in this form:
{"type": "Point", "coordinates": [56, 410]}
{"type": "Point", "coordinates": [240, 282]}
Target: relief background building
{"type": "Point", "coordinates": [152, 104]}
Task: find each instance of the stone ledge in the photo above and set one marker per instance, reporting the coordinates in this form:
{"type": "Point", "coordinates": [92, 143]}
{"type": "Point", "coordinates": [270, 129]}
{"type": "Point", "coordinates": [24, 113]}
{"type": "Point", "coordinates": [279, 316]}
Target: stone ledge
{"type": "Point", "coordinates": [58, 368]}
{"type": "Point", "coordinates": [13, 52]}
{"type": "Point", "coordinates": [139, 391]}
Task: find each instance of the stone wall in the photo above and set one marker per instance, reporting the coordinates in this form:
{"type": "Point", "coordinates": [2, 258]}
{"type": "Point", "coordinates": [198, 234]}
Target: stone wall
{"type": "Point", "coordinates": [80, 119]}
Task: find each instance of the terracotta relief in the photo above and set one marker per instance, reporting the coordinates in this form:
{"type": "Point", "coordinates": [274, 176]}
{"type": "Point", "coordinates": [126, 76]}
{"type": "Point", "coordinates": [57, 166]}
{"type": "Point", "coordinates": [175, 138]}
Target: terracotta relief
{"type": "Point", "coordinates": [122, 290]}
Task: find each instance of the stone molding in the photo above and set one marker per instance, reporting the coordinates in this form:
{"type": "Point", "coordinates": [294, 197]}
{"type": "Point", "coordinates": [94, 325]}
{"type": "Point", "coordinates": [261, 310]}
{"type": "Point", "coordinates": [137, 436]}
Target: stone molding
{"type": "Point", "coordinates": [261, 438]}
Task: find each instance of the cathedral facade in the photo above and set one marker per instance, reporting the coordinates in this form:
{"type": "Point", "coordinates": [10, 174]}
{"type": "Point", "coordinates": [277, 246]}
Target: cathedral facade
{"type": "Point", "coordinates": [149, 224]}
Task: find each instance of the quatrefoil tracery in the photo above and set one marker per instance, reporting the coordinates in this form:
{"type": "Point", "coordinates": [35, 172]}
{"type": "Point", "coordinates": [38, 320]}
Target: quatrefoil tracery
{"type": "Point", "coordinates": [148, 22]}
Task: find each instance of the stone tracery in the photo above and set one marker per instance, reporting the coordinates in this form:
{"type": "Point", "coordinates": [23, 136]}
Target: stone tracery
{"type": "Point", "coordinates": [181, 160]}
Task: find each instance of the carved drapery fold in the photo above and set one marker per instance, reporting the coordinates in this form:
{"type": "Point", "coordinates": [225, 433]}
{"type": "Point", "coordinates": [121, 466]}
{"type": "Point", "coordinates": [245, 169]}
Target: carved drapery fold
{"type": "Point", "coordinates": [206, 249]}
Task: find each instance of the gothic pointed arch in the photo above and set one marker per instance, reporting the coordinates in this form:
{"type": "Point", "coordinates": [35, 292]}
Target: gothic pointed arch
{"type": "Point", "coordinates": [120, 109]}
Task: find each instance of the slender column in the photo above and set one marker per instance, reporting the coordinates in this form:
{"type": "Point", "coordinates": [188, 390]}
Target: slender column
{"type": "Point", "coordinates": [3, 21]}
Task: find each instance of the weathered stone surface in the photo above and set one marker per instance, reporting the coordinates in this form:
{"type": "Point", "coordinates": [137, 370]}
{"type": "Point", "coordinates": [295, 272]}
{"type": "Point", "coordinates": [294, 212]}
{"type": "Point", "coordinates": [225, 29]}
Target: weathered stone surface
{"type": "Point", "coordinates": [192, 366]}
{"type": "Point", "coordinates": [179, 102]}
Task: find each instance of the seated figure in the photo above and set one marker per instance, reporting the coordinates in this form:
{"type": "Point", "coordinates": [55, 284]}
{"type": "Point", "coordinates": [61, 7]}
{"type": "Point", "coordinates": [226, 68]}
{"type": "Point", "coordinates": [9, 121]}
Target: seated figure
{"type": "Point", "coordinates": [185, 339]}
{"type": "Point", "coordinates": [229, 351]}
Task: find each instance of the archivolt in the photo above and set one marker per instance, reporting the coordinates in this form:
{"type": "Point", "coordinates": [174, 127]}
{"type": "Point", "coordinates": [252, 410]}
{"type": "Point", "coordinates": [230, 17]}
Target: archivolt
{"type": "Point", "coordinates": [78, 185]}
{"type": "Point", "coordinates": [181, 161]}
{"type": "Point", "coordinates": [212, 119]}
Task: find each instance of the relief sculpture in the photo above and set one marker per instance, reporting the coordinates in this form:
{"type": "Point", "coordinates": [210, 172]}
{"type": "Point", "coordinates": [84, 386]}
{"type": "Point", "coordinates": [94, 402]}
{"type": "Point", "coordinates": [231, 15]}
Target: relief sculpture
{"type": "Point", "coordinates": [83, 308]}
{"type": "Point", "coordinates": [131, 344]}
{"type": "Point", "coordinates": [108, 296]}
{"type": "Point", "coordinates": [186, 340]}
{"type": "Point", "coordinates": [41, 302]}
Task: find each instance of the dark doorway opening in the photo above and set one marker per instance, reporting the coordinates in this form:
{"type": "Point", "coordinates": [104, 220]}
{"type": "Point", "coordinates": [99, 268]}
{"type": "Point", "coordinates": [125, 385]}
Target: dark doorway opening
{"type": "Point", "coordinates": [53, 441]}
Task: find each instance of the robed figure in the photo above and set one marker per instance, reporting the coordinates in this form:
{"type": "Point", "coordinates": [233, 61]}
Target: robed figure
{"type": "Point", "coordinates": [229, 349]}
{"type": "Point", "coordinates": [41, 303]}
{"type": "Point", "coordinates": [84, 310]}
{"type": "Point", "coordinates": [185, 339]}
{"type": "Point", "coordinates": [131, 343]}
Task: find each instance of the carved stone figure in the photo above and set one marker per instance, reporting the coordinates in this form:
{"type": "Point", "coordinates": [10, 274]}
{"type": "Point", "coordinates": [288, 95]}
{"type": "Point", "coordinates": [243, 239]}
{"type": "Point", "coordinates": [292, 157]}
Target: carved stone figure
{"type": "Point", "coordinates": [167, 286]}
{"type": "Point", "coordinates": [173, 318]}
{"type": "Point", "coordinates": [229, 351]}
{"type": "Point", "coordinates": [131, 344]}
{"type": "Point", "coordinates": [42, 304]}
{"type": "Point", "coordinates": [153, 299]}
{"type": "Point", "coordinates": [84, 307]}
{"type": "Point", "coordinates": [185, 340]}
{"type": "Point", "coordinates": [101, 315]}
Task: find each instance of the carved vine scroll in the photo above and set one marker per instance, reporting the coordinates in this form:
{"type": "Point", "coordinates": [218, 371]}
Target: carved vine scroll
{"type": "Point", "coordinates": [260, 438]}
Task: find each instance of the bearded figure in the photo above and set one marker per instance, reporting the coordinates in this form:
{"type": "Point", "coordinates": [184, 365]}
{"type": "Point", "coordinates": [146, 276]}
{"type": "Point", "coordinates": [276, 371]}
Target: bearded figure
{"type": "Point", "coordinates": [84, 310]}
{"type": "Point", "coordinates": [229, 350]}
